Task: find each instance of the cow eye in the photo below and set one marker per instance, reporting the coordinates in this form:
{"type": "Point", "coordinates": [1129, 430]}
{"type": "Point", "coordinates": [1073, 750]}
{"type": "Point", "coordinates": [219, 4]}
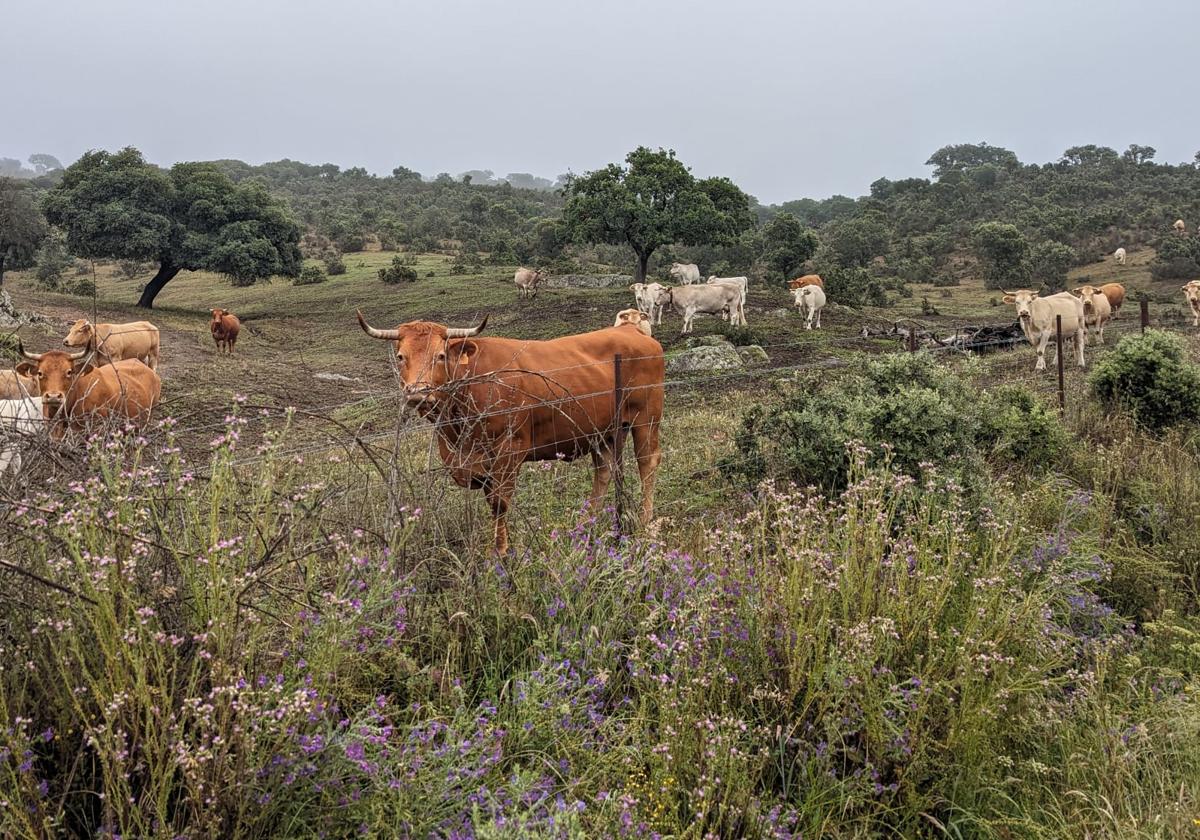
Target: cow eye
{"type": "Point", "coordinates": [441, 357]}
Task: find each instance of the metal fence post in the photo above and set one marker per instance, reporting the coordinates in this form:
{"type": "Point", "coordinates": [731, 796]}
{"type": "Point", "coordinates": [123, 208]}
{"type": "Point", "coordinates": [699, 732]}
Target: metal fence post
{"type": "Point", "coordinates": [1145, 313]}
{"type": "Point", "coordinates": [618, 443]}
{"type": "Point", "coordinates": [1059, 350]}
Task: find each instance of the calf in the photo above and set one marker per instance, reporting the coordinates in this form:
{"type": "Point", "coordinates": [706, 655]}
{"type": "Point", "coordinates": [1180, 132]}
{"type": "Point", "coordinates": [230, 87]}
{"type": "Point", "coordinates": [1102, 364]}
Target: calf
{"type": "Point", "coordinates": [225, 327]}
{"type": "Point", "coordinates": [19, 419]}
{"type": "Point", "coordinates": [114, 342]}
{"type": "Point", "coordinates": [738, 314]}
{"type": "Point", "coordinates": [527, 280]}
{"type": "Point", "coordinates": [14, 386]}
{"type": "Point", "coordinates": [810, 300]}
{"type": "Point", "coordinates": [1096, 309]}
{"type": "Point", "coordinates": [686, 274]}
{"type": "Point", "coordinates": [1038, 319]}
{"type": "Point", "coordinates": [1119, 256]}
{"type": "Point", "coordinates": [692, 300]}
{"type": "Point", "coordinates": [1191, 293]}
{"type": "Point", "coordinates": [1115, 293]}
{"type": "Point", "coordinates": [806, 280]}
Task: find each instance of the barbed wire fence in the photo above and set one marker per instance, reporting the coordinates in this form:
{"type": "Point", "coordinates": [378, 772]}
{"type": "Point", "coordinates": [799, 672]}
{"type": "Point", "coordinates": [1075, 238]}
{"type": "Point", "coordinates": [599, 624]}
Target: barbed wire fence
{"type": "Point", "coordinates": [384, 447]}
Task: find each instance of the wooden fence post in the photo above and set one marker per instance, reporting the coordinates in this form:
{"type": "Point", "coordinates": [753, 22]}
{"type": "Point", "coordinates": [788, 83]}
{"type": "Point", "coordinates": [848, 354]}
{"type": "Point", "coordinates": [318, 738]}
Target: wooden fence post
{"type": "Point", "coordinates": [912, 339]}
{"type": "Point", "coordinates": [1145, 313]}
{"type": "Point", "coordinates": [618, 443]}
{"type": "Point", "coordinates": [1062, 394]}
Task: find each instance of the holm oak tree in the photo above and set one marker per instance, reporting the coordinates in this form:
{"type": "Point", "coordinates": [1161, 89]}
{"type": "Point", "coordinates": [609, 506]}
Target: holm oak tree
{"type": "Point", "coordinates": [189, 217]}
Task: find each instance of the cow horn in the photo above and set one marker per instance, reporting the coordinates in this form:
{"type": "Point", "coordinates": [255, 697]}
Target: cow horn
{"type": "Point", "coordinates": [386, 335]}
{"type": "Point", "coordinates": [74, 357]}
{"type": "Point", "coordinates": [33, 357]}
{"type": "Point", "coordinates": [459, 332]}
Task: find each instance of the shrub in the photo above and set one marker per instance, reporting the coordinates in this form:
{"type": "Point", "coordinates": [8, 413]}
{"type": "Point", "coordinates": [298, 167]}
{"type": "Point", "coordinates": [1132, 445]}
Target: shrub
{"type": "Point", "coordinates": [1176, 258]}
{"type": "Point", "coordinates": [904, 408]}
{"type": "Point", "coordinates": [739, 336]}
{"type": "Point", "coordinates": [84, 286]}
{"type": "Point", "coordinates": [397, 272]}
{"type": "Point", "coordinates": [310, 275]}
{"type": "Point", "coordinates": [351, 243]}
{"type": "Point", "coordinates": [1150, 377]}
{"type": "Point", "coordinates": [334, 264]}
{"type": "Point", "coordinates": [1015, 426]}
{"type": "Point", "coordinates": [944, 280]}
{"type": "Point", "coordinates": [131, 269]}
{"type": "Point", "coordinates": [53, 261]}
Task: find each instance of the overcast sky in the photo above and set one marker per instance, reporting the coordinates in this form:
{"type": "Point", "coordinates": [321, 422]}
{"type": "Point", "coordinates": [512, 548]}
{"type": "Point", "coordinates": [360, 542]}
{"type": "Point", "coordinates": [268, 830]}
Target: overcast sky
{"type": "Point", "coordinates": [789, 98]}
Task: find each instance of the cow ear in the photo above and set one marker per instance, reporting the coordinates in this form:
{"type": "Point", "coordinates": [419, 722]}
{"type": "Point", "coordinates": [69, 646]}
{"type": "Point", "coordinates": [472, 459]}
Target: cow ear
{"type": "Point", "coordinates": [466, 350]}
{"type": "Point", "coordinates": [1009, 299]}
{"type": "Point", "coordinates": [26, 369]}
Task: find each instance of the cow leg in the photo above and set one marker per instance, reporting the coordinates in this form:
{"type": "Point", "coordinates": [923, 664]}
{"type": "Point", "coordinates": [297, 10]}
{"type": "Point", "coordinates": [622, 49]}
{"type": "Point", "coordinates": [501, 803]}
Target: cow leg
{"type": "Point", "coordinates": [499, 493]}
{"type": "Point", "coordinates": [649, 455]}
{"type": "Point", "coordinates": [818, 319]}
{"type": "Point", "coordinates": [1041, 350]}
{"type": "Point", "coordinates": [602, 464]}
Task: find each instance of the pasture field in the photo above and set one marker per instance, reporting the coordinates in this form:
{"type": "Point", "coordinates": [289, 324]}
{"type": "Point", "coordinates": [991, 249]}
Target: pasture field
{"type": "Point", "coordinates": [259, 623]}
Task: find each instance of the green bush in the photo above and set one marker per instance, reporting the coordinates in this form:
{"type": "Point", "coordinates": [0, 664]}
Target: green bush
{"type": "Point", "coordinates": [334, 264]}
{"type": "Point", "coordinates": [310, 275]}
{"type": "Point", "coordinates": [1015, 426]}
{"type": "Point", "coordinates": [398, 272]}
{"type": "Point", "coordinates": [1176, 258]}
{"type": "Point", "coordinates": [907, 410]}
{"type": "Point", "coordinates": [1149, 377]}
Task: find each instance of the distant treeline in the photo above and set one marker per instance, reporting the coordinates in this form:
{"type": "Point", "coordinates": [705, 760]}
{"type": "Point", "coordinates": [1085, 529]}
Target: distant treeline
{"type": "Point", "coordinates": [982, 213]}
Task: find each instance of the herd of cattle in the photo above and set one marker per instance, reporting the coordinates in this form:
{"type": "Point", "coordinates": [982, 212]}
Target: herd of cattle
{"type": "Point", "coordinates": [494, 403]}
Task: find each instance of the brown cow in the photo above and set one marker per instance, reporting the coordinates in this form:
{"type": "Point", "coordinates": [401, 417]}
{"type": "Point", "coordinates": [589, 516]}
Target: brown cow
{"type": "Point", "coordinates": [1115, 293]}
{"type": "Point", "coordinates": [114, 342]}
{"type": "Point", "coordinates": [225, 327]}
{"type": "Point", "coordinates": [14, 386]}
{"type": "Point", "coordinates": [498, 402]}
{"type": "Point", "coordinates": [75, 393]}
{"type": "Point", "coordinates": [806, 280]}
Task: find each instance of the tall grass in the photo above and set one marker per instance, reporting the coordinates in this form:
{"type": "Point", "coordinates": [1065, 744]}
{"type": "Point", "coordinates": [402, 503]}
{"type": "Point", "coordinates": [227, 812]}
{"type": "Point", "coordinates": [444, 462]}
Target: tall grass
{"type": "Point", "coordinates": [264, 648]}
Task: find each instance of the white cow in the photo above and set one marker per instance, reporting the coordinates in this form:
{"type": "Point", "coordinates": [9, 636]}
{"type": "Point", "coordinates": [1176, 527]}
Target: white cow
{"type": "Point", "coordinates": [1119, 256]}
{"type": "Point", "coordinates": [636, 317]}
{"type": "Point", "coordinates": [1097, 311]}
{"type": "Point", "coordinates": [705, 299]}
{"type": "Point", "coordinates": [737, 316]}
{"type": "Point", "coordinates": [1037, 317]}
{"type": "Point", "coordinates": [1191, 293]}
{"type": "Point", "coordinates": [1180, 227]}
{"type": "Point", "coordinates": [810, 300]}
{"type": "Point", "coordinates": [685, 273]}
{"type": "Point", "coordinates": [527, 280]}
{"type": "Point", "coordinates": [19, 419]}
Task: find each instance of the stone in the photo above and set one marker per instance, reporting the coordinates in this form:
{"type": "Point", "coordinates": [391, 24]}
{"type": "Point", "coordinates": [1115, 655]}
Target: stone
{"type": "Point", "coordinates": [780, 313]}
{"type": "Point", "coordinates": [587, 281]}
{"type": "Point", "coordinates": [752, 354]}
{"type": "Point", "coordinates": [706, 341]}
{"type": "Point", "coordinates": [705, 358]}
{"type": "Point", "coordinates": [335, 377]}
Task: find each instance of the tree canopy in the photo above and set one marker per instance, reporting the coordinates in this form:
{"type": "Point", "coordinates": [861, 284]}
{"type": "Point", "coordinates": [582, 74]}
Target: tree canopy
{"type": "Point", "coordinates": [652, 201]}
{"type": "Point", "coordinates": [21, 225]}
{"type": "Point", "coordinates": [192, 216]}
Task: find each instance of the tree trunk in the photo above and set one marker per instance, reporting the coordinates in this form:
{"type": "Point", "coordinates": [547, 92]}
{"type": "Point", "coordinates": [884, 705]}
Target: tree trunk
{"type": "Point", "coordinates": [643, 260]}
{"type": "Point", "coordinates": [166, 273]}
{"type": "Point", "coordinates": [1, 269]}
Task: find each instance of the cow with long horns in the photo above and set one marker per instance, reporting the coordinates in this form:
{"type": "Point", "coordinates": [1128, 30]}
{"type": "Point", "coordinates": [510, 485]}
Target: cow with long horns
{"type": "Point", "coordinates": [496, 403]}
{"type": "Point", "coordinates": [77, 393]}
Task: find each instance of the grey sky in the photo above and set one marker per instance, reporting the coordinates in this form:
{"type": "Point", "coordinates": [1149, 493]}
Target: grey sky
{"type": "Point", "coordinates": [789, 99]}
